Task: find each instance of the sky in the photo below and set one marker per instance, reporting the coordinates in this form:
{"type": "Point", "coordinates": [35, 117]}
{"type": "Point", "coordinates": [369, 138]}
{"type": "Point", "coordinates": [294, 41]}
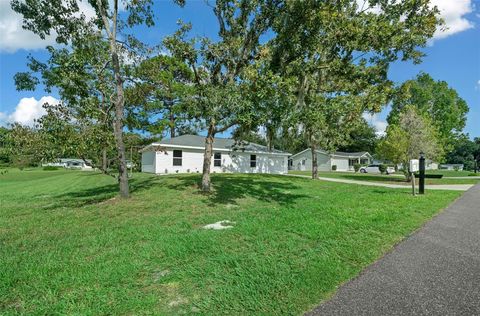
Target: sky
{"type": "Point", "coordinates": [453, 55]}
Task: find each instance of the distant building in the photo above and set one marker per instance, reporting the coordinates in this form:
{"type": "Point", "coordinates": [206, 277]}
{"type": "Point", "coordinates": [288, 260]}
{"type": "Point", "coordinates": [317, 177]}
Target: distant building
{"type": "Point", "coordinates": [71, 163]}
{"type": "Point", "coordinates": [325, 160]}
{"type": "Point", "coordinates": [451, 166]}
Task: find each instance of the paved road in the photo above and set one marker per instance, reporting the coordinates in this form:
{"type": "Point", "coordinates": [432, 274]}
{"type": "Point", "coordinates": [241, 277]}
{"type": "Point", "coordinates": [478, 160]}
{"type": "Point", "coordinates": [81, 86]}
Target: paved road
{"type": "Point", "coordinates": [436, 271]}
{"type": "Point", "coordinates": [452, 187]}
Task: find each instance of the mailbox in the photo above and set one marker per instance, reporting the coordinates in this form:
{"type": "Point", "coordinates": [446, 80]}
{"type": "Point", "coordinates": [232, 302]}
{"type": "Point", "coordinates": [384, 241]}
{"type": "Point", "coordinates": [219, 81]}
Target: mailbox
{"type": "Point", "coordinates": [414, 165]}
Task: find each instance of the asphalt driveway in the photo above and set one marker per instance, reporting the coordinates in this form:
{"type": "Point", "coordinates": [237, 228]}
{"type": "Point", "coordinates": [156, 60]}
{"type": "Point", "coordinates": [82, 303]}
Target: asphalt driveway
{"type": "Point", "coordinates": [435, 271]}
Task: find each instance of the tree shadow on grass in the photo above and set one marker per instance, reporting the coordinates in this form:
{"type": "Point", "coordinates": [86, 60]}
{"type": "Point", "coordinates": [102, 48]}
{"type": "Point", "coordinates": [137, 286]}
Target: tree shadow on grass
{"type": "Point", "coordinates": [97, 194]}
{"type": "Point", "coordinates": [228, 188]}
{"type": "Point", "coordinates": [374, 178]}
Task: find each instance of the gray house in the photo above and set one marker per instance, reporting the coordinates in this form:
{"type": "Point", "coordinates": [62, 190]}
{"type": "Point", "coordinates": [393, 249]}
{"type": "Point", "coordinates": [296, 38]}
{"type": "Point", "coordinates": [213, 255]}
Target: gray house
{"type": "Point", "coordinates": [325, 160]}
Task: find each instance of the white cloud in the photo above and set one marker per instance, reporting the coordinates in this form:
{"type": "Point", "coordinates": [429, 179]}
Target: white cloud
{"type": "Point", "coordinates": [379, 124]}
{"type": "Point", "coordinates": [453, 13]}
{"type": "Point", "coordinates": [28, 110]}
{"type": "Point", "coordinates": [14, 37]}
{"type": "Point", "coordinates": [477, 86]}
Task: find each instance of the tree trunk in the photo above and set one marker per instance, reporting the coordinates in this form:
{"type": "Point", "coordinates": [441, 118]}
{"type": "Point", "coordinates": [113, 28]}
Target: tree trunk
{"type": "Point", "coordinates": [104, 160]}
{"type": "Point", "coordinates": [314, 162]}
{"type": "Point", "coordinates": [207, 158]}
{"type": "Point", "coordinates": [118, 126]}
{"type": "Point", "coordinates": [172, 125]}
{"type": "Point", "coordinates": [270, 134]}
{"type": "Point", "coordinates": [119, 101]}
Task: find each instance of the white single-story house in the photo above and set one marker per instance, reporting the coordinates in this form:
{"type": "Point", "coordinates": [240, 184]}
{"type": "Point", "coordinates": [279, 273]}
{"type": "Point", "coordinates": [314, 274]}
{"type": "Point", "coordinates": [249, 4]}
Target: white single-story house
{"type": "Point", "coordinates": [429, 165]}
{"type": "Point", "coordinates": [71, 163]}
{"type": "Point", "coordinates": [184, 154]}
{"type": "Point", "coordinates": [325, 160]}
{"type": "Point", "coordinates": [451, 166]}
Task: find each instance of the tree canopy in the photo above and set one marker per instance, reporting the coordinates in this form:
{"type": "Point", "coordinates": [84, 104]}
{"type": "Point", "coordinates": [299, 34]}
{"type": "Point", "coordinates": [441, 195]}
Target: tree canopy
{"type": "Point", "coordinates": [434, 99]}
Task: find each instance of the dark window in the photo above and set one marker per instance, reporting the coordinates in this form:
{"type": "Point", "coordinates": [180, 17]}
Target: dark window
{"type": "Point", "coordinates": [177, 157]}
{"type": "Point", "coordinates": [217, 160]}
{"type": "Point", "coordinates": [253, 161]}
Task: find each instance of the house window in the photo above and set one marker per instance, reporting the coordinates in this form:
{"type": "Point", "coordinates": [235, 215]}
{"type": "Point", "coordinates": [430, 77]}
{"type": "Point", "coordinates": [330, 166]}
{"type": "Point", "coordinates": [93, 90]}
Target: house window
{"type": "Point", "coordinates": [253, 161]}
{"type": "Point", "coordinates": [217, 160]}
{"type": "Point", "coordinates": [352, 162]}
{"type": "Point", "coordinates": [303, 162]}
{"type": "Point", "coordinates": [177, 157]}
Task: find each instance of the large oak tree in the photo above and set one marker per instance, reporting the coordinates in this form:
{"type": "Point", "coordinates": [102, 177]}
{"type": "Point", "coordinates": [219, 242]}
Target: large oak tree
{"type": "Point", "coordinates": [339, 52]}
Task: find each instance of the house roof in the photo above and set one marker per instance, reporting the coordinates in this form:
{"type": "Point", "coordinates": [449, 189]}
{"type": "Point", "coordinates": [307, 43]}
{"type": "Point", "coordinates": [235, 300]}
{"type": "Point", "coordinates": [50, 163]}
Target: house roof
{"type": "Point", "coordinates": [63, 160]}
{"type": "Point", "coordinates": [225, 144]}
{"type": "Point", "coordinates": [340, 154]}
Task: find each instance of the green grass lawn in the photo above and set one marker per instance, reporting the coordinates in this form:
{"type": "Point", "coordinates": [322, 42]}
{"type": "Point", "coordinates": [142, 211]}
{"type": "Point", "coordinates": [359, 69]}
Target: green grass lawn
{"type": "Point", "coordinates": [452, 173]}
{"type": "Point", "coordinates": [68, 246]}
{"type": "Point", "coordinates": [392, 179]}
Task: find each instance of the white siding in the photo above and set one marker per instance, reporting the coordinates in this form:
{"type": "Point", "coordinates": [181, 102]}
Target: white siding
{"type": "Point", "coordinates": [148, 161]}
{"type": "Point", "coordinates": [192, 161]}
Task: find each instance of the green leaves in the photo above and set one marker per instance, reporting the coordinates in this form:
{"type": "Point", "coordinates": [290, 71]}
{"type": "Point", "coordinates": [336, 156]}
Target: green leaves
{"type": "Point", "coordinates": [409, 137]}
{"type": "Point", "coordinates": [434, 100]}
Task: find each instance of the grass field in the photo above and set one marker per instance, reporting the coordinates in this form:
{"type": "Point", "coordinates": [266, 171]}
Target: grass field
{"type": "Point", "coordinates": [68, 246]}
{"type": "Point", "coordinates": [392, 179]}
{"type": "Point", "coordinates": [453, 173]}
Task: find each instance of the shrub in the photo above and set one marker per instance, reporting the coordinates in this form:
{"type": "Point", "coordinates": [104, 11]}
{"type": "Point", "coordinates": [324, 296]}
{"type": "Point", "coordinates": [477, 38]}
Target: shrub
{"type": "Point", "coordinates": [334, 167]}
{"type": "Point", "coordinates": [382, 168]}
{"type": "Point", "coordinates": [456, 168]}
{"type": "Point", "coordinates": [50, 168]}
{"type": "Point", "coordinates": [473, 174]}
{"type": "Point", "coordinates": [356, 167]}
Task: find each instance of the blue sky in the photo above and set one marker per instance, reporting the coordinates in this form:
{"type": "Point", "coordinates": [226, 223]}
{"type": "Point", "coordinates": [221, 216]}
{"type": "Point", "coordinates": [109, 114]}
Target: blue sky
{"type": "Point", "coordinates": [453, 56]}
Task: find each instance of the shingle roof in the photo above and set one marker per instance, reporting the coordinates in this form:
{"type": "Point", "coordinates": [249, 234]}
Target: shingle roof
{"type": "Point", "coordinates": [337, 153]}
{"type": "Point", "coordinates": [218, 143]}
{"type": "Point", "coordinates": [354, 154]}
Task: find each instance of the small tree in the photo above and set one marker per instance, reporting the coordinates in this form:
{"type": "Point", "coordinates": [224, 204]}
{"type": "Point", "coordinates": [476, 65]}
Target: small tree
{"type": "Point", "coordinates": [382, 168]}
{"type": "Point", "coordinates": [406, 140]}
{"type": "Point", "coordinates": [356, 167]}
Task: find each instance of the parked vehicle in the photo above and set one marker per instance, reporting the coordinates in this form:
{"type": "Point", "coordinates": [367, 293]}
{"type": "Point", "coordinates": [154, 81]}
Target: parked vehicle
{"type": "Point", "coordinates": [374, 168]}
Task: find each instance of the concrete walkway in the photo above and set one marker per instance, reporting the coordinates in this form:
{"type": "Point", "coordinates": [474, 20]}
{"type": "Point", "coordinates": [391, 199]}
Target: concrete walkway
{"type": "Point", "coordinates": [435, 271]}
{"type": "Point", "coordinates": [452, 187]}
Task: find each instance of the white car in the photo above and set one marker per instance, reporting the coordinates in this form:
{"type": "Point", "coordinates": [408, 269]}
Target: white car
{"type": "Point", "coordinates": [375, 169]}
